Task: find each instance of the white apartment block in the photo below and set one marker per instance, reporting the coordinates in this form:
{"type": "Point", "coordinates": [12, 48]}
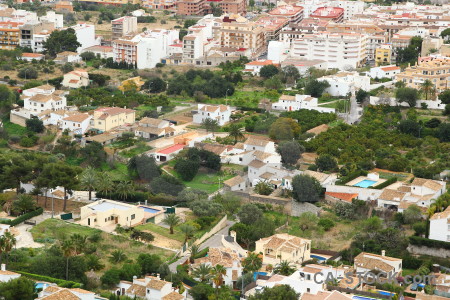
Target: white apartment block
{"type": "Point", "coordinates": [123, 26]}
{"type": "Point", "coordinates": [342, 83]}
{"type": "Point", "coordinates": [85, 35]}
{"type": "Point", "coordinates": [196, 42]}
{"type": "Point", "coordinates": [351, 8]}
{"type": "Point", "coordinates": [52, 17]}
{"type": "Point", "coordinates": [440, 226]}
{"type": "Point", "coordinates": [341, 50]}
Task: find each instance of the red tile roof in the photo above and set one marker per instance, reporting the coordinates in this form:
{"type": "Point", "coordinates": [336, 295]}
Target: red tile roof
{"type": "Point", "coordinates": [171, 149]}
{"type": "Point", "coordinates": [342, 196]}
{"type": "Point", "coordinates": [390, 68]}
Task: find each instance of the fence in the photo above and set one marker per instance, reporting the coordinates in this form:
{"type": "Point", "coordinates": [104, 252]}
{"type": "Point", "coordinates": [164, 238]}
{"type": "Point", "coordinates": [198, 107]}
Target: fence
{"type": "Point", "coordinates": [362, 293]}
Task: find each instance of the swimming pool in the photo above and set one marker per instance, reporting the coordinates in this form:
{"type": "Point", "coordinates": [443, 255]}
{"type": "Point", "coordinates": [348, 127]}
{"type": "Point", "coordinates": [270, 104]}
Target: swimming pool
{"type": "Point", "coordinates": [318, 257]}
{"type": "Point", "coordinates": [362, 298]}
{"type": "Point", "coordinates": [255, 274]}
{"type": "Point", "coordinates": [41, 285]}
{"type": "Point", "coordinates": [384, 293]}
{"type": "Point", "coordinates": [365, 183]}
{"type": "Point", "coordinates": [151, 210]}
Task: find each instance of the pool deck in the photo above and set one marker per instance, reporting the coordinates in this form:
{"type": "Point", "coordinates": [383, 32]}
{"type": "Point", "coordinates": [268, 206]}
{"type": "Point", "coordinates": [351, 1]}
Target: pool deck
{"type": "Point", "coordinates": [361, 178]}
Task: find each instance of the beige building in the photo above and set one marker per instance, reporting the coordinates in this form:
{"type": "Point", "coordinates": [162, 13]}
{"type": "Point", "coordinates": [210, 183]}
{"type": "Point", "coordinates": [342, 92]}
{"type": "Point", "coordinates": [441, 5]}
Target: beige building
{"type": "Point", "coordinates": [191, 7]}
{"type": "Point", "coordinates": [123, 26]}
{"type": "Point", "coordinates": [76, 79]}
{"type": "Point", "coordinates": [435, 69]}
{"type": "Point", "coordinates": [107, 118]}
{"type": "Point", "coordinates": [367, 262]}
{"type": "Point", "coordinates": [103, 213]}
{"type": "Point", "coordinates": [240, 33]}
{"type": "Point", "coordinates": [283, 247]}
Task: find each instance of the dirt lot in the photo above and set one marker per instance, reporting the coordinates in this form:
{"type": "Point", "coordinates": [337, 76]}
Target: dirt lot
{"type": "Point", "coordinates": [72, 206]}
{"type": "Point", "coordinates": [162, 241]}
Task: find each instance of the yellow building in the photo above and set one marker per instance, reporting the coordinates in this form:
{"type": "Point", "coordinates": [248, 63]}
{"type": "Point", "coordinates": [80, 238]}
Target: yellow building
{"type": "Point", "coordinates": [383, 55]}
{"type": "Point", "coordinates": [434, 69]}
{"type": "Point", "coordinates": [107, 118]}
{"type": "Point", "coordinates": [9, 35]}
{"type": "Point", "coordinates": [283, 246]}
{"type": "Point", "coordinates": [134, 83]}
{"type": "Point", "coordinates": [104, 213]}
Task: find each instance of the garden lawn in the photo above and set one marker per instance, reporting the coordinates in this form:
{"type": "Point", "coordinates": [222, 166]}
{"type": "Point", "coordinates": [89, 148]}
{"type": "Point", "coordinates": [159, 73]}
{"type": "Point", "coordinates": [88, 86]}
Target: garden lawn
{"type": "Point", "coordinates": [177, 235]}
{"type": "Point", "coordinates": [119, 173]}
{"type": "Point", "coordinates": [55, 229]}
{"type": "Point", "coordinates": [135, 151]}
{"type": "Point", "coordinates": [14, 129]}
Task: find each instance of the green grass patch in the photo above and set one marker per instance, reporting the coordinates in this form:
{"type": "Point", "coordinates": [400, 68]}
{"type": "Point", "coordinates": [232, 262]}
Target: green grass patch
{"type": "Point", "coordinates": [118, 173]}
{"type": "Point", "coordinates": [58, 229]}
{"type": "Point", "coordinates": [135, 151]}
{"type": "Point", "coordinates": [14, 129]}
{"type": "Point", "coordinates": [177, 235]}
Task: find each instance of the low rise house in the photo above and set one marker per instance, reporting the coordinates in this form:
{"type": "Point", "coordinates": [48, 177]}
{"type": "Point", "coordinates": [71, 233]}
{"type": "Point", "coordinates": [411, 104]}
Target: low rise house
{"type": "Point", "coordinates": [166, 153]}
{"type": "Point", "coordinates": [259, 143]}
{"type": "Point", "coordinates": [367, 262]}
{"type": "Point", "coordinates": [55, 292]}
{"type": "Point", "coordinates": [6, 275]}
{"type": "Point", "coordinates": [384, 72]}
{"type": "Point", "coordinates": [107, 118]}
{"type": "Point", "coordinates": [77, 123]}
{"type": "Point", "coordinates": [76, 79]}
{"type": "Point", "coordinates": [254, 67]}
{"type": "Point", "coordinates": [226, 257]}
{"type": "Point", "coordinates": [220, 113]}
{"type": "Point", "coordinates": [67, 57]}
{"type": "Point", "coordinates": [342, 83]}
{"type": "Point", "coordinates": [283, 247]}
{"type": "Point", "coordinates": [100, 51]}
{"type": "Point", "coordinates": [298, 102]}
{"type": "Point", "coordinates": [32, 56]}
{"type": "Point", "coordinates": [237, 183]}
{"type": "Point", "coordinates": [104, 213]}
{"type": "Point", "coordinates": [440, 226]}
{"type": "Point", "coordinates": [149, 288]}
{"type": "Point", "coordinates": [149, 128]}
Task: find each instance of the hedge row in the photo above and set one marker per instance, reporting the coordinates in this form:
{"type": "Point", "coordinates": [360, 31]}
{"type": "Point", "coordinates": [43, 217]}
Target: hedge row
{"type": "Point", "coordinates": [386, 183]}
{"type": "Point", "coordinates": [420, 241]}
{"type": "Point", "coordinates": [202, 253]}
{"type": "Point", "coordinates": [24, 217]}
{"type": "Point", "coordinates": [343, 180]}
{"type": "Point", "coordinates": [59, 282]}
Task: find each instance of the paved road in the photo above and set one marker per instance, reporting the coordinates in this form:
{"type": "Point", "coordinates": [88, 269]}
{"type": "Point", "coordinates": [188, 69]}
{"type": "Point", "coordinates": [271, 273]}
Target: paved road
{"type": "Point", "coordinates": [214, 241]}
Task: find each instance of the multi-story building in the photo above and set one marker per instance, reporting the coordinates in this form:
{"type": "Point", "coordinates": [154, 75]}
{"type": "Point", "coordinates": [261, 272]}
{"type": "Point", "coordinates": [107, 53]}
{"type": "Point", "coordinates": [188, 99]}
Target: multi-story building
{"type": "Point", "coordinates": [293, 13]}
{"type": "Point", "coordinates": [107, 118]}
{"type": "Point", "coordinates": [240, 33]}
{"type": "Point", "coordinates": [159, 4]}
{"type": "Point", "coordinates": [340, 50]}
{"type": "Point", "coordinates": [283, 246]}
{"type": "Point", "coordinates": [440, 226]}
{"type": "Point", "coordinates": [112, 2]}
{"type": "Point", "coordinates": [53, 17]}
{"type": "Point", "coordinates": [233, 6]}
{"type": "Point", "coordinates": [435, 69]}
{"type": "Point", "coordinates": [335, 14]}
{"type": "Point", "coordinates": [383, 55]}
{"type": "Point", "coordinates": [220, 113]}
{"type": "Point", "coordinates": [30, 29]}
{"type": "Point", "coordinates": [191, 7]}
{"type": "Point", "coordinates": [9, 35]}
{"type": "Point", "coordinates": [306, 26]}
{"type": "Point", "coordinates": [144, 50]}
{"type": "Point", "coordinates": [85, 35]}
{"type": "Point", "coordinates": [76, 123]}
{"type": "Point", "coordinates": [272, 26]}
{"type": "Point", "coordinates": [123, 26]}
{"type": "Point", "coordinates": [351, 8]}
{"type": "Point", "coordinates": [42, 98]}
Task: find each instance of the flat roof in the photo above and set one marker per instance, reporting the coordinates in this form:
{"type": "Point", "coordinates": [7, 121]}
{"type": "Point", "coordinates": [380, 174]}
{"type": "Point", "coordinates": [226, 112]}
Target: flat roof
{"type": "Point", "coordinates": [107, 205]}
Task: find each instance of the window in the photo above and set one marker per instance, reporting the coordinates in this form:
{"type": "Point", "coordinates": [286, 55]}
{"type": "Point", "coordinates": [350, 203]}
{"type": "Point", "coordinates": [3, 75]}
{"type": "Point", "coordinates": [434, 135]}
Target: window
{"type": "Point", "coordinates": [133, 216]}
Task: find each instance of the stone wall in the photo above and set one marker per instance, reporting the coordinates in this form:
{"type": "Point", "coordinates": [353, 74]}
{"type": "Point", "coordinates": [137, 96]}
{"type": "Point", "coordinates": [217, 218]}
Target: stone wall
{"type": "Point", "coordinates": [13, 118]}
{"type": "Point", "coordinates": [422, 250]}
{"type": "Point", "coordinates": [286, 203]}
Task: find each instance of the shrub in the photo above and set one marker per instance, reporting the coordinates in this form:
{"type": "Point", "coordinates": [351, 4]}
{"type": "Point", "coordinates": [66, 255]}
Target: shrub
{"type": "Point", "coordinates": [344, 179]}
{"type": "Point", "coordinates": [23, 217]}
{"type": "Point", "coordinates": [420, 241]}
{"type": "Point", "coordinates": [327, 224]}
{"type": "Point", "coordinates": [386, 183]}
{"type": "Point", "coordinates": [59, 282]}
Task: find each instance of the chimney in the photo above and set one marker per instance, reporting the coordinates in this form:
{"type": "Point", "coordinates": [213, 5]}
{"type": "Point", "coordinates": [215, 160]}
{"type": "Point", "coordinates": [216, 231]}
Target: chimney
{"type": "Point", "coordinates": [134, 278]}
{"type": "Point", "coordinates": [383, 252]}
{"type": "Point", "coordinates": [145, 202]}
{"type": "Point", "coordinates": [3, 267]}
{"type": "Point", "coordinates": [157, 276]}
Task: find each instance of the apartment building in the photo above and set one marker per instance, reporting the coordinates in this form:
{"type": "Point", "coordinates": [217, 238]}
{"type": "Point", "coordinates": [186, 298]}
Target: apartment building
{"type": "Point", "coordinates": [85, 35]}
{"type": "Point", "coordinates": [351, 8]}
{"type": "Point", "coordinates": [240, 33]}
{"type": "Point", "coordinates": [383, 55]}
{"type": "Point", "coordinates": [144, 50]}
{"type": "Point", "coordinates": [9, 35]}
{"type": "Point", "coordinates": [340, 50]}
{"type": "Point", "coordinates": [107, 118]}
{"type": "Point", "coordinates": [123, 26]}
{"type": "Point", "coordinates": [112, 2]}
{"type": "Point", "coordinates": [33, 34]}
{"type": "Point", "coordinates": [272, 26]}
{"type": "Point", "coordinates": [293, 13]}
{"type": "Point", "coordinates": [306, 26]}
{"type": "Point", "coordinates": [435, 69]}
{"type": "Point", "coordinates": [191, 7]}
{"type": "Point", "coordinates": [159, 4]}
{"type": "Point", "coordinates": [335, 14]}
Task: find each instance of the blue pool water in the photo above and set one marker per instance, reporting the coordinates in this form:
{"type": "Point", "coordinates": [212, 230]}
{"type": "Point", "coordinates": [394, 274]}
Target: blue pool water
{"type": "Point", "coordinates": [40, 285]}
{"type": "Point", "coordinates": [255, 274]}
{"type": "Point", "coordinates": [318, 257]}
{"type": "Point", "coordinates": [362, 298]}
{"type": "Point", "coordinates": [385, 293]}
{"type": "Point", "coordinates": [151, 210]}
{"type": "Point", "coordinates": [365, 183]}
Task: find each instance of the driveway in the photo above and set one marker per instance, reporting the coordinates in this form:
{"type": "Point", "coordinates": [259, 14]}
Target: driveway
{"type": "Point", "coordinates": [23, 235]}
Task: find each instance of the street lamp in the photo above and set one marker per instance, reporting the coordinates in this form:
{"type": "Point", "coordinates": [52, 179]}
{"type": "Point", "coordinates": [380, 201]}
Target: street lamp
{"type": "Point", "coordinates": [226, 97]}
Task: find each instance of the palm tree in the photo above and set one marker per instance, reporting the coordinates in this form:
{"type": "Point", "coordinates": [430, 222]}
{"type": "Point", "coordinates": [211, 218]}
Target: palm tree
{"type": "Point", "coordinates": [89, 180]}
{"type": "Point", "coordinates": [68, 250]}
{"type": "Point", "coordinates": [188, 231]}
{"type": "Point", "coordinates": [104, 184]}
{"type": "Point", "coordinates": [117, 256]}
{"type": "Point", "coordinates": [79, 242]}
{"type": "Point", "coordinates": [252, 262]}
{"type": "Point", "coordinates": [10, 243]}
{"type": "Point", "coordinates": [284, 268]}
{"type": "Point", "coordinates": [2, 247]}
{"type": "Point", "coordinates": [427, 87]}
{"type": "Point", "coordinates": [194, 250]}
{"type": "Point", "coordinates": [202, 272]}
{"type": "Point", "coordinates": [124, 188]}
{"type": "Point", "coordinates": [218, 273]}
{"type": "Point", "coordinates": [172, 220]}
{"type": "Point", "coordinates": [235, 132]}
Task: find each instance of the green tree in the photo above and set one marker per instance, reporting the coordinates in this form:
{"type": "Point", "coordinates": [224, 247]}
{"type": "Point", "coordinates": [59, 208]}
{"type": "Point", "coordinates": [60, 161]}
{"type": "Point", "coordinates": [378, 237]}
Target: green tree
{"type": "Point", "coordinates": [67, 177]}
{"type": "Point", "coordinates": [201, 291]}
{"type": "Point", "coordinates": [124, 189]}
{"type": "Point", "coordinates": [284, 268]}
{"type": "Point", "coordinates": [290, 152]}
{"type": "Point", "coordinates": [16, 170]}
{"type": "Point", "coordinates": [23, 204]}
{"type": "Point", "coordinates": [444, 132]}
{"type": "Point", "coordinates": [326, 162]}
{"type": "Point", "coordinates": [172, 220]}
{"type": "Point", "coordinates": [193, 252]}
{"type": "Point", "coordinates": [307, 221]}
{"type": "Point", "coordinates": [6, 97]}
{"type": "Point", "coordinates": [252, 262]}
{"type": "Point", "coordinates": [263, 188]}
{"type": "Point", "coordinates": [104, 185]}
{"type": "Point", "coordinates": [61, 40]}
{"type": "Point", "coordinates": [268, 71]}
{"type": "Point", "coordinates": [280, 292]}
{"type": "Point", "coordinates": [166, 184]}
{"type": "Point", "coordinates": [28, 73]}
{"type": "Point", "coordinates": [111, 277]}
{"type": "Point", "coordinates": [89, 180]}
{"type": "Point", "coordinates": [155, 85]}
{"type": "Point", "coordinates": [306, 188]}
{"type": "Point", "coordinates": [409, 127]}
{"type": "Point", "coordinates": [284, 129]}
{"type": "Point", "coordinates": [408, 95]}
{"type": "Point", "coordinates": [445, 97]}
{"type": "Point", "coordinates": [361, 95]}
{"type": "Point", "coordinates": [427, 87]}
{"type": "Point", "coordinates": [218, 272]}
{"type": "Point", "coordinates": [202, 272]}
{"type": "Point", "coordinates": [445, 34]}
{"type": "Point", "coordinates": [187, 169]}
{"type": "Point", "coordinates": [290, 74]}
{"type": "Point", "coordinates": [35, 125]}
{"type": "Point", "coordinates": [205, 208]}
{"type": "Point", "coordinates": [249, 213]}
{"type": "Point", "coordinates": [210, 125]}
{"type": "Point", "coordinates": [235, 132]}
{"type": "Point", "coordinates": [412, 214]}
{"type": "Point", "coordinates": [117, 256]}
{"type": "Point", "coordinates": [93, 154]}
{"type": "Point", "coordinates": [68, 250]}
{"type": "Point", "coordinates": [21, 288]}
{"type": "Point", "coordinates": [188, 231]}
{"type": "Point", "coordinates": [316, 88]}
{"type": "Point", "coordinates": [149, 263]}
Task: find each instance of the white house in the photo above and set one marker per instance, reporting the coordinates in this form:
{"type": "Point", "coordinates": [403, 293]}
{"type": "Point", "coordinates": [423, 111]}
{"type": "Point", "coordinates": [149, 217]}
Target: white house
{"type": "Point", "coordinates": [149, 288]}
{"type": "Point", "coordinates": [32, 56]}
{"type": "Point", "coordinates": [149, 128]}
{"type": "Point", "coordinates": [384, 72]}
{"type": "Point", "coordinates": [76, 79]}
{"type": "Point", "coordinates": [237, 183]}
{"type": "Point", "coordinates": [220, 113]}
{"type": "Point", "coordinates": [6, 276]}
{"type": "Point", "coordinates": [342, 83]}
{"type": "Point", "coordinates": [255, 67]}
{"type": "Point", "coordinates": [42, 98]}
{"type": "Point", "coordinates": [283, 246]}
{"type": "Point", "coordinates": [366, 262]}
{"type": "Point", "coordinates": [298, 102]}
{"type": "Point", "coordinates": [440, 226]}
{"type": "Point", "coordinates": [67, 57]}
{"type": "Point", "coordinates": [260, 144]}
{"type": "Point", "coordinates": [56, 292]}
{"type": "Point", "coordinates": [228, 258]}
{"type": "Point", "coordinates": [76, 124]}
